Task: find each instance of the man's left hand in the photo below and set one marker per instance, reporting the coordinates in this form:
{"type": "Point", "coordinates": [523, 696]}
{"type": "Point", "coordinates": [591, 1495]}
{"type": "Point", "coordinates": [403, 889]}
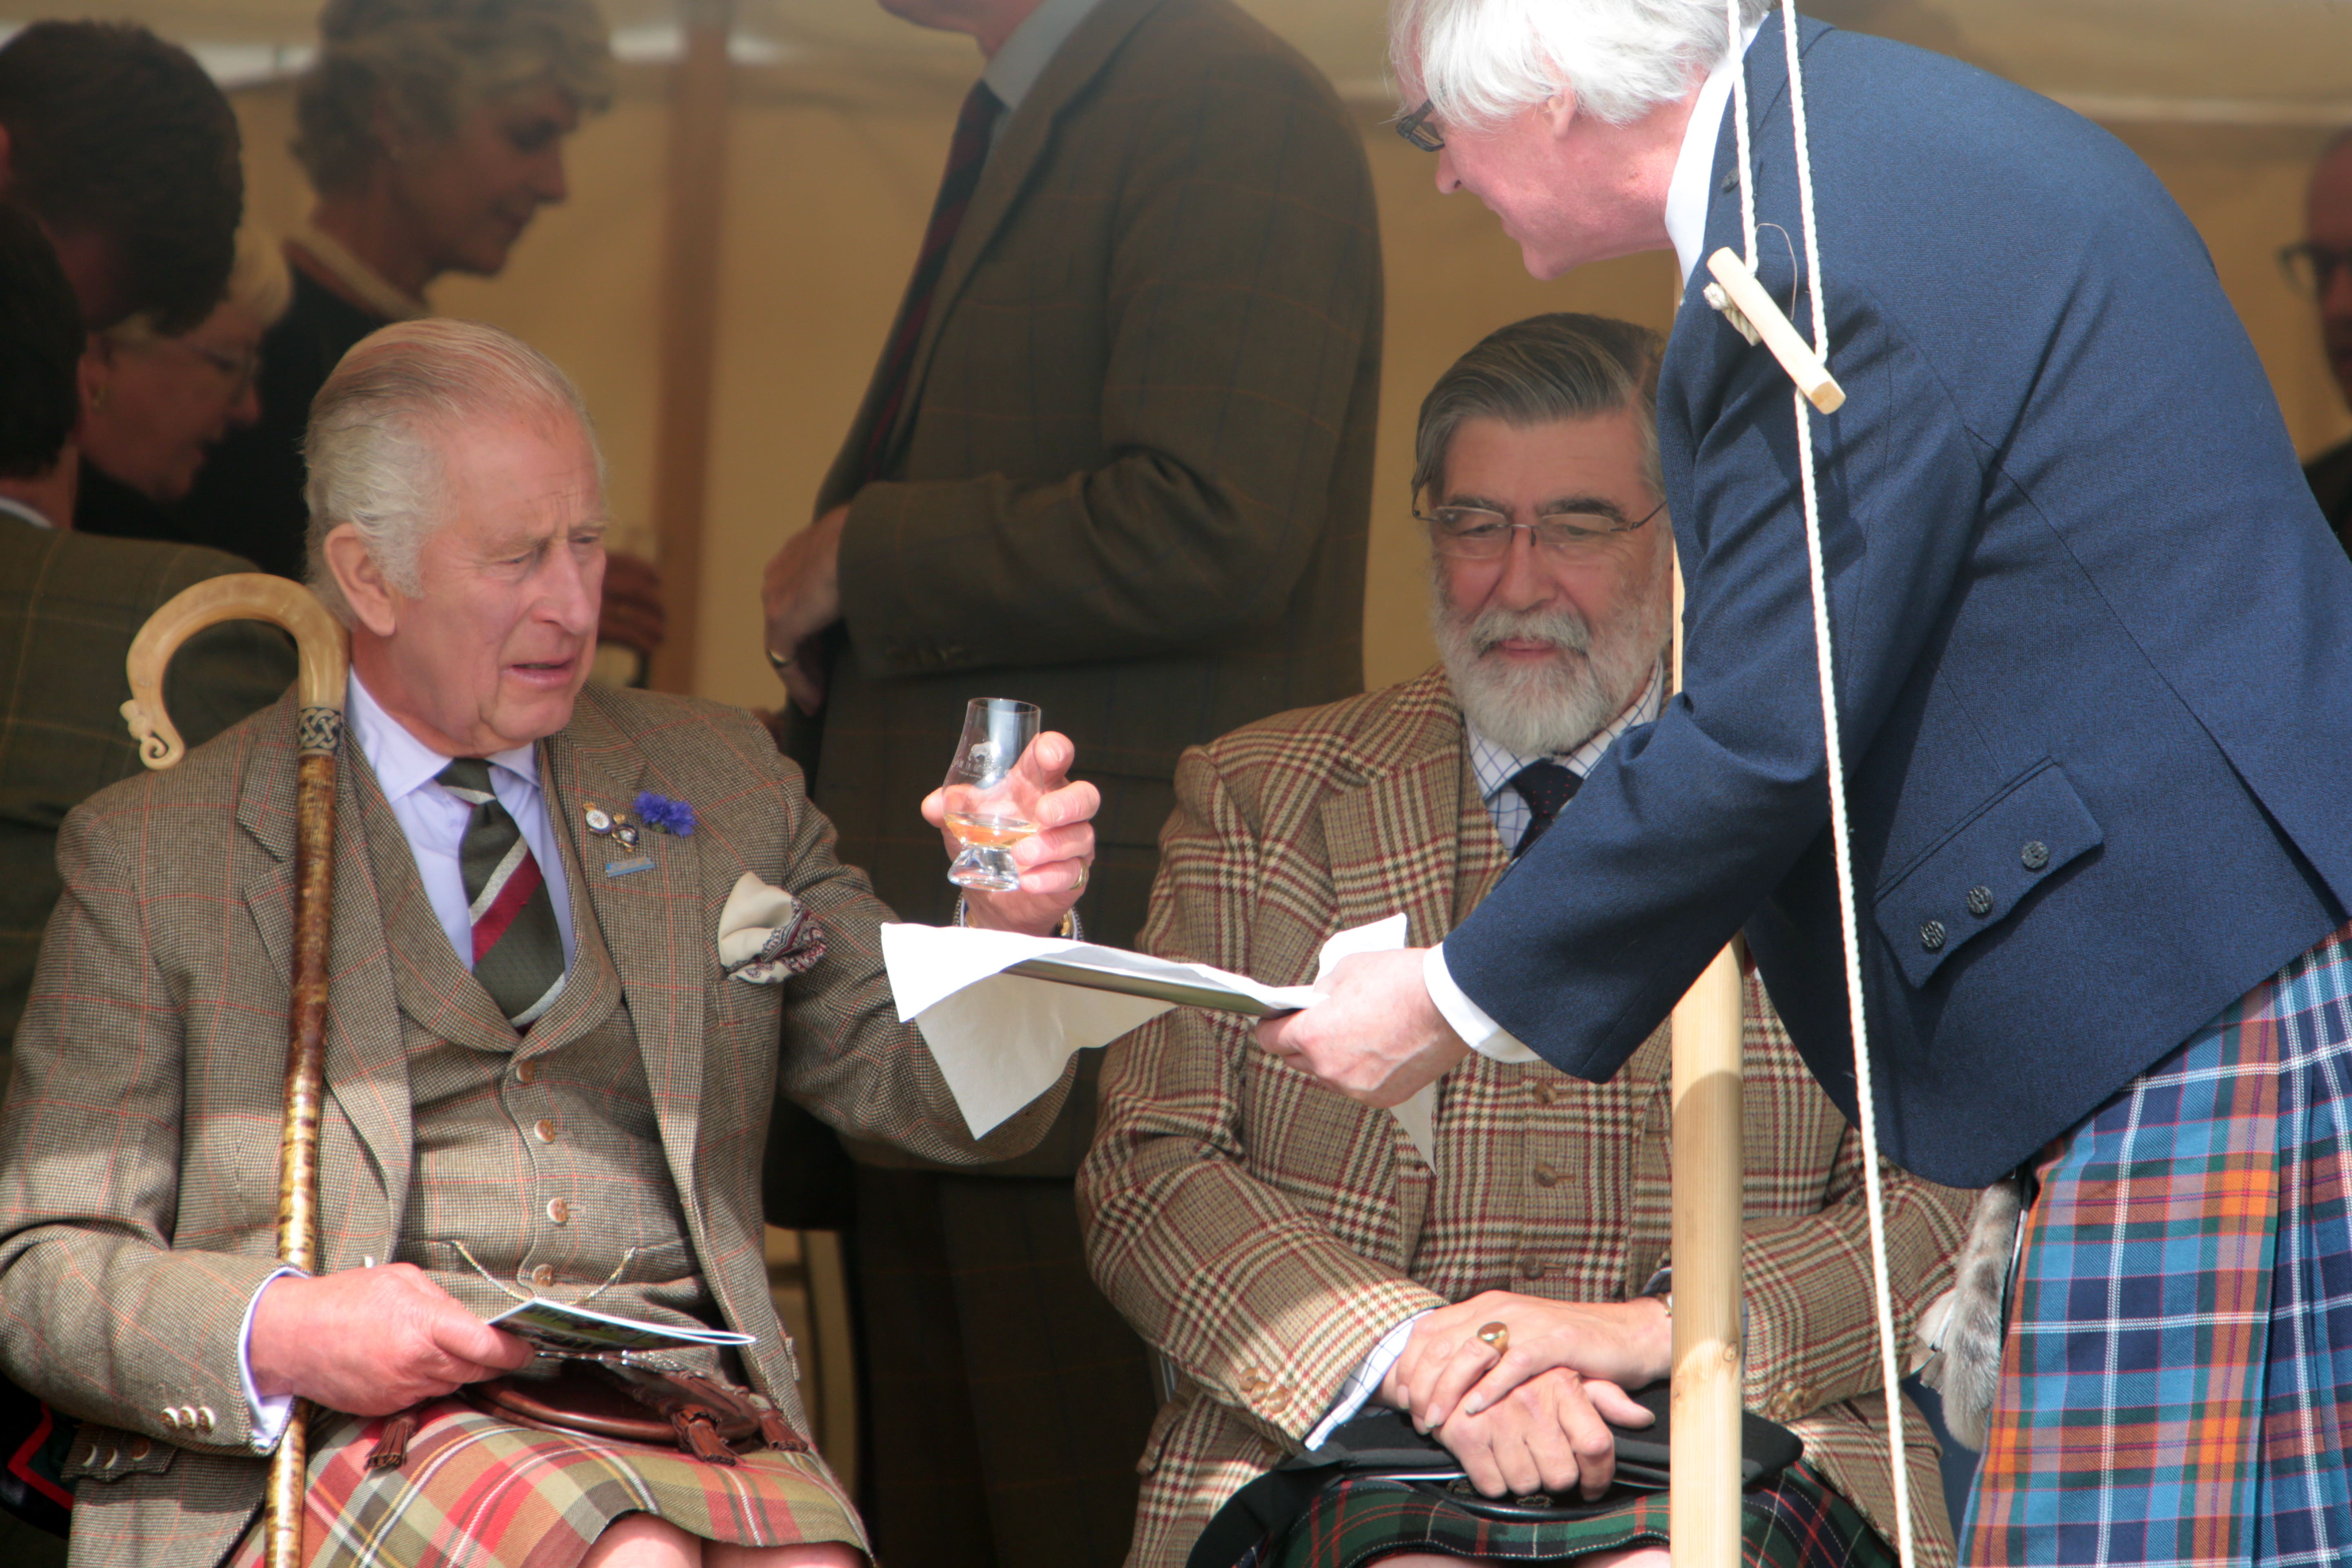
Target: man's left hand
{"type": "Point", "coordinates": [1446, 1366]}
{"type": "Point", "coordinates": [801, 594]}
{"type": "Point", "coordinates": [1549, 1435]}
{"type": "Point", "coordinates": [1054, 861]}
{"type": "Point", "coordinates": [1375, 1036]}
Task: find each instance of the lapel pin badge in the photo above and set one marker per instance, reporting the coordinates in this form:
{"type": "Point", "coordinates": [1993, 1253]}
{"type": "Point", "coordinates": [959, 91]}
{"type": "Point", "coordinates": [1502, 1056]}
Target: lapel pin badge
{"type": "Point", "coordinates": [599, 820]}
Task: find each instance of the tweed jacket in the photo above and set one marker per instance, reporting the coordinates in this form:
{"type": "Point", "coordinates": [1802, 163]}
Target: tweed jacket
{"type": "Point", "coordinates": [1130, 479]}
{"type": "Point", "coordinates": [70, 605]}
{"type": "Point", "coordinates": [138, 1153]}
{"type": "Point", "coordinates": [1264, 1233]}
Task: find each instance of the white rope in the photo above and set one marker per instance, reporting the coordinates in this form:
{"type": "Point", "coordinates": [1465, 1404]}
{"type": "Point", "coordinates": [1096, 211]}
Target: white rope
{"type": "Point", "coordinates": [1740, 114]}
{"type": "Point", "coordinates": [1866, 1105]}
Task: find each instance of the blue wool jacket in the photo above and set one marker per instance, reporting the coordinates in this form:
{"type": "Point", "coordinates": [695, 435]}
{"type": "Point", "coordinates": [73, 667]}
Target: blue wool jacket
{"type": "Point", "coordinates": [2094, 641]}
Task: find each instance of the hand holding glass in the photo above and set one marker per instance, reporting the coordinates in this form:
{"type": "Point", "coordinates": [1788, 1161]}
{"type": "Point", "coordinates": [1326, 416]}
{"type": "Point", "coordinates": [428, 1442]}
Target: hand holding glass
{"type": "Point", "coordinates": [991, 799]}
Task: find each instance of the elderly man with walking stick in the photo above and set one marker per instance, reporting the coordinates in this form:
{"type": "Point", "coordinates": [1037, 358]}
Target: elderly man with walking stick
{"type": "Point", "coordinates": [581, 940]}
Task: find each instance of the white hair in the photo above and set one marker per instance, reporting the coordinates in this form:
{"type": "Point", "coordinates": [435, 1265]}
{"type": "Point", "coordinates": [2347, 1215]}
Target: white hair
{"type": "Point", "coordinates": [373, 444]}
{"type": "Point", "coordinates": [1482, 62]}
{"type": "Point", "coordinates": [258, 285]}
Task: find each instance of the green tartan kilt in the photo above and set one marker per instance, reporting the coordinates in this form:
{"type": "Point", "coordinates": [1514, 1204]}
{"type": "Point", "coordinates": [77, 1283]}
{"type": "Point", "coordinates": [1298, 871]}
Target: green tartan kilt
{"type": "Point", "coordinates": [1794, 1522]}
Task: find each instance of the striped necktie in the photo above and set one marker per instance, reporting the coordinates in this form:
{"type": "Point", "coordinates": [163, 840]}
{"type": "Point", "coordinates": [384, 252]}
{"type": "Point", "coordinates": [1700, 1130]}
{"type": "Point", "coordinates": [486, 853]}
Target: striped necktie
{"type": "Point", "coordinates": [518, 946]}
{"type": "Point", "coordinates": [1546, 786]}
{"type": "Point", "coordinates": [967, 154]}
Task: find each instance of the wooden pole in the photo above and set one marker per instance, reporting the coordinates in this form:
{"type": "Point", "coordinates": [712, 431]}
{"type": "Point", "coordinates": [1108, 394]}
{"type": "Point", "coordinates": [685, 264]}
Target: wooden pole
{"type": "Point", "coordinates": [700, 112]}
{"type": "Point", "coordinates": [1710, 1162]}
{"type": "Point", "coordinates": [325, 657]}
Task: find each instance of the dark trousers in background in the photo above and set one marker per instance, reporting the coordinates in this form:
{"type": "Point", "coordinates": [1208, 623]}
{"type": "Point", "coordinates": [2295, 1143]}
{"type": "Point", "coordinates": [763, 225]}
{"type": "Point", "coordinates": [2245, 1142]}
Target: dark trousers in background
{"type": "Point", "coordinates": [1003, 1401]}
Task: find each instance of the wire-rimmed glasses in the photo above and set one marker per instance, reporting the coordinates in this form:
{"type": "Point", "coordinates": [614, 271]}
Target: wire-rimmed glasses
{"type": "Point", "coordinates": [1477, 534]}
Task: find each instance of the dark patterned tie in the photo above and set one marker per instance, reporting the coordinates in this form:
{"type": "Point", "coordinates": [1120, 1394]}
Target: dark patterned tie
{"type": "Point", "coordinates": [518, 946]}
{"type": "Point", "coordinates": [1546, 786]}
{"type": "Point", "coordinates": [966, 155]}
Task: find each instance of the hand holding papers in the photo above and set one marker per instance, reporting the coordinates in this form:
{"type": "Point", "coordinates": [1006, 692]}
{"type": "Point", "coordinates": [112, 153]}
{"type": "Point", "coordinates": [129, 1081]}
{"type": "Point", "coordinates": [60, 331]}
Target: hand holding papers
{"type": "Point", "coordinates": [1003, 1012]}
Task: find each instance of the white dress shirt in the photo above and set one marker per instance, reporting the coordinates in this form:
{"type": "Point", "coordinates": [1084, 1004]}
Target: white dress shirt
{"type": "Point", "coordinates": [434, 822]}
{"type": "Point", "coordinates": [1026, 53]}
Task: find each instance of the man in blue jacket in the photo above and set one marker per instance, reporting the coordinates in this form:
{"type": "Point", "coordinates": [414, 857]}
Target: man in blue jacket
{"type": "Point", "coordinates": [2094, 680]}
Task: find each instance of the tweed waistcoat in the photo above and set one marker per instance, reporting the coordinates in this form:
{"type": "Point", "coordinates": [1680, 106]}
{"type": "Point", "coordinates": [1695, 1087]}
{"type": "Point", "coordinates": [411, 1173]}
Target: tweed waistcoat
{"type": "Point", "coordinates": [538, 1154]}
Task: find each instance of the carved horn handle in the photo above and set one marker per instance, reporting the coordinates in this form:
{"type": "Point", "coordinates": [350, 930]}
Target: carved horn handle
{"type": "Point", "coordinates": [324, 647]}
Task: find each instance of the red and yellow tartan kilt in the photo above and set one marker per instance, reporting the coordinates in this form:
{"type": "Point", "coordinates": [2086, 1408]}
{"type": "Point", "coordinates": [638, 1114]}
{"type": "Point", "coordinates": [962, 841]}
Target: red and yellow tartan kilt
{"type": "Point", "coordinates": [480, 1492]}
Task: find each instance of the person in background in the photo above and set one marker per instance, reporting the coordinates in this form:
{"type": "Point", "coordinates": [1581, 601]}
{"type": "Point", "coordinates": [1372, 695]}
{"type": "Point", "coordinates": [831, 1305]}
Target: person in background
{"type": "Point", "coordinates": [1290, 1250]}
{"type": "Point", "coordinates": [126, 153]}
{"type": "Point", "coordinates": [154, 404]}
{"type": "Point", "coordinates": [70, 605]}
{"type": "Point", "coordinates": [1115, 459]}
{"type": "Point", "coordinates": [2322, 265]}
{"type": "Point", "coordinates": [432, 132]}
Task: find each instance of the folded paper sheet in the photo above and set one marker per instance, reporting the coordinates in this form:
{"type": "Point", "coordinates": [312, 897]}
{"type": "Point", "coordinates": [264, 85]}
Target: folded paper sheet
{"type": "Point", "coordinates": [1001, 1040]}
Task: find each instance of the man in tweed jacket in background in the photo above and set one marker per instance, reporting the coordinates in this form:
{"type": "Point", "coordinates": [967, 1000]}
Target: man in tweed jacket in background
{"type": "Point", "coordinates": [1286, 1248]}
{"type": "Point", "coordinates": [572, 967]}
{"type": "Point", "coordinates": [1116, 460]}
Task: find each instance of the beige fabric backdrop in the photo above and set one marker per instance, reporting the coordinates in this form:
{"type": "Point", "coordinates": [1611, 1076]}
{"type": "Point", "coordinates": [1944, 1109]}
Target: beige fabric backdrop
{"type": "Point", "coordinates": [830, 181]}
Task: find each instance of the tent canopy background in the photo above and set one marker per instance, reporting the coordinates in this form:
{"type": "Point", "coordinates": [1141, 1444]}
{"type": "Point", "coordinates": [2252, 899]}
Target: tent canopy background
{"type": "Point", "coordinates": [841, 117]}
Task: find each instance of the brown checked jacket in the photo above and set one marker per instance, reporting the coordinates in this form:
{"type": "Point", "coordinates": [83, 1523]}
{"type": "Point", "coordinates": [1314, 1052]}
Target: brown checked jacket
{"type": "Point", "coordinates": [138, 1152]}
{"type": "Point", "coordinates": [1264, 1233]}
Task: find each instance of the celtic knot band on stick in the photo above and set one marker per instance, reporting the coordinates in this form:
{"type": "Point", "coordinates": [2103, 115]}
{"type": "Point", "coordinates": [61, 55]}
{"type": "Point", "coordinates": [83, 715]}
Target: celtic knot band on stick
{"type": "Point", "coordinates": [325, 659]}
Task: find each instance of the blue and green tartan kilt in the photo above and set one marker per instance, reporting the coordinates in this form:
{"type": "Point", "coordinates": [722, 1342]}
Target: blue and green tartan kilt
{"type": "Point", "coordinates": [2177, 1376]}
{"type": "Point", "coordinates": [1795, 1521]}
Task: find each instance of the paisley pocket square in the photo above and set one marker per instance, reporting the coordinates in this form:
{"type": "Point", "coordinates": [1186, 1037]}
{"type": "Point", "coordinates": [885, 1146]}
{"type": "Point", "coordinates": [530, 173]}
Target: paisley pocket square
{"type": "Point", "coordinates": [765, 935]}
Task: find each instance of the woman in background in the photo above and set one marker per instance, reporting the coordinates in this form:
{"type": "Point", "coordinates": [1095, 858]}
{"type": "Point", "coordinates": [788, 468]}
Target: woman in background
{"type": "Point", "coordinates": [152, 406]}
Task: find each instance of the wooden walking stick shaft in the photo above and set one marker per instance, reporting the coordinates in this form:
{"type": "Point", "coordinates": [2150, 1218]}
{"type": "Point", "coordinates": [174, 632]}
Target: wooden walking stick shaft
{"type": "Point", "coordinates": [325, 659]}
{"type": "Point", "coordinates": [1709, 1164]}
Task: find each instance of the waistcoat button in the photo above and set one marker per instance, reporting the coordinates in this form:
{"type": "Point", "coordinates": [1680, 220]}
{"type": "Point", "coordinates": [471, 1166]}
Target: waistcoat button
{"type": "Point", "coordinates": [545, 1128]}
{"type": "Point", "coordinates": [559, 1211]}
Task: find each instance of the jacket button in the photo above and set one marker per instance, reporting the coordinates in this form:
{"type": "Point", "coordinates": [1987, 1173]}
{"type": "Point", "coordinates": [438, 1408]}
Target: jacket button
{"type": "Point", "coordinates": [1979, 902]}
{"type": "Point", "coordinates": [1252, 1380]}
{"type": "Point", "coordinates": [559, 1211]}
{"type": "Point", "coordinates": [204, 1417]}
{"type": "Point", "coordinates": [2034, 855]}
{"type": "Point", "coordinates": [544, 1275]}
{"type": "Point", "coordinates": [1931, 936]}
{"type": "Point", "coordinates": [1533, 1268]}
{"type": "Point", "coordinates": [1546, 1094]}
{"type": "Point", "coordinates": [545, 1130]}
{"type": "Point", "coordinates": [140, 1448]}
{"type": "Point", "coordinates": [526, 1071]}
{"type": "Point", "coordinates": [1547, 1174]}
{"type": "Point", "coordinates": [170, 1418]}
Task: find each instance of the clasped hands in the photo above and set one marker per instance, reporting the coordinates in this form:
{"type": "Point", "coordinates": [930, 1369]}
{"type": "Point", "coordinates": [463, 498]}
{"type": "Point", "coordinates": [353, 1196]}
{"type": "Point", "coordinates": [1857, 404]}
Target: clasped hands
{"type": "Point", "coordinates": [1533, 1418]}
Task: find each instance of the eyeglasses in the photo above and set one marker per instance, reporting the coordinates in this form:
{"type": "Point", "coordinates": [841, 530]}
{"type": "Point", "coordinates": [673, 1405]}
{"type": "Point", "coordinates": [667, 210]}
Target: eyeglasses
{"type": "Point", "coordinates": [1475, 534]}
{"type": "Point", "coordinates": [1414, 128]}
{"type": "Point", "coordinates": [2311, 266]}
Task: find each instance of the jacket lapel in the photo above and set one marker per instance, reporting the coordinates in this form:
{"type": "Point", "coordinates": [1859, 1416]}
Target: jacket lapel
{"type": "Point", "coordinates": [1019, 147]}
{"type": "Point", "coordinates": [367, 1067]}
{"type": "Point", "coordinates": [659, 929]}
{"type": "Point", "coordinates": [1407, 793]}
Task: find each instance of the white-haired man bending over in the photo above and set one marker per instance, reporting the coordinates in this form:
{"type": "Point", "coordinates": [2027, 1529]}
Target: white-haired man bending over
{"type": "Point", "coordinates": [546, 1073]}
{"type": "Point", "coordinates": [2094, 691]}
{"type": "Point", "coordinates": [1290, 1251]}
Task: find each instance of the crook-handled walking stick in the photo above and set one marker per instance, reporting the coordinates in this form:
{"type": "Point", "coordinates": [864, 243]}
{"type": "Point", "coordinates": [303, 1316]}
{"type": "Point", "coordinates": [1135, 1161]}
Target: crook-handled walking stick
{"type": "Point", "coordinates": [325, 656]}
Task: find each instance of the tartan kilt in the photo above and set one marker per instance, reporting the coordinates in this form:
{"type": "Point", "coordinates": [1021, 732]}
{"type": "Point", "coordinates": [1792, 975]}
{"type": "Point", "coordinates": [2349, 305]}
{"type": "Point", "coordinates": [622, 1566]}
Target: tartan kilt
{"type": "Point", "coordinates": [2178, 1377]}
{"type": "Point", "coordinates": [480, 1492]}
{"type": "Point", "coordinates": [1796, 1520]}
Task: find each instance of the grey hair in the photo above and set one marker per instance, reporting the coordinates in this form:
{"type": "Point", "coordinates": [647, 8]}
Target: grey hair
{"type": "Point", "coordinates": [430, 62]}
{"type": "Point", "coordinates": [1559, 366]}
{"type": "Point", "coordinates": [1483, 61]}
{"type": "Point", "coordinates": [373, 444]}
{"type": "Point", "coordinates": [259, 284]}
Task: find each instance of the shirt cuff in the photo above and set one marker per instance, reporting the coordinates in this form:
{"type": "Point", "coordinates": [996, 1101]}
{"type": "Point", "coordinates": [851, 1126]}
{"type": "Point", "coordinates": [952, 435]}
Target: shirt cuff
{"type": "Point", "coordinates": [266, 1417]}
{"type": "Point", "coordinates": [1364, 1381]}
{"type": "Point", "coordinates": [1469, 1020]}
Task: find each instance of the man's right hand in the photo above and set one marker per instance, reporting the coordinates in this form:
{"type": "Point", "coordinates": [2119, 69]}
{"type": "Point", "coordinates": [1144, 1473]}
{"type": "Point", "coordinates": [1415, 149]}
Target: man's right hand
{"type": "Point", "coordinates": [368, 1341]}
{"type": "Point", "coordinates": [1545, 1435]}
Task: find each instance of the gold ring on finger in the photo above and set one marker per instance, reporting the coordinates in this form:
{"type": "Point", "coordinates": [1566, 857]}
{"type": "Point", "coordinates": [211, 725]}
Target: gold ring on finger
{"type": "Point", "coordinates": [1496, 1336]}
{"type": "Point", "coordinates": [1085, 868]}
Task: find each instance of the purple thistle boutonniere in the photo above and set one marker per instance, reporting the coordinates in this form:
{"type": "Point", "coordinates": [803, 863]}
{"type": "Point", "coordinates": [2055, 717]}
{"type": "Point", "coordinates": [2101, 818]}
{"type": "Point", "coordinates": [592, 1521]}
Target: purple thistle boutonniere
{"type": "Point", "coordinates": [660, 811]}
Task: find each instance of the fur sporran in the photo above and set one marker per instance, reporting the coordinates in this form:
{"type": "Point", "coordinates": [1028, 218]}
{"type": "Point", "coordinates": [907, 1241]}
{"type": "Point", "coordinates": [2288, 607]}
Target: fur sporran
{"type": "Point", "coordinates": [1966, 1368]}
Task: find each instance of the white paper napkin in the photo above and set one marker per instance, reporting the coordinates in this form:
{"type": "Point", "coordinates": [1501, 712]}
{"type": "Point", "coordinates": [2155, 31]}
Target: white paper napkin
{"type": "Point", "coordinates": [1001, 1040]}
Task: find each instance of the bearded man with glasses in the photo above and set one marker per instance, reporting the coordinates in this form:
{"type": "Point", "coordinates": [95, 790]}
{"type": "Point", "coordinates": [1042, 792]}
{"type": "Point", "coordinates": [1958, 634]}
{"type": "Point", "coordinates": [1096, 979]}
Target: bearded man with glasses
{"type": "Point", "coordinates": [2321, 266]}
{"type": "Point", "coordinates": [1293, 1253]}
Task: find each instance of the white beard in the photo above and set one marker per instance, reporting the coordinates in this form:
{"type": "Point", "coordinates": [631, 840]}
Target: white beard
{"type": "Point", "coordinates": [1539, 710]}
